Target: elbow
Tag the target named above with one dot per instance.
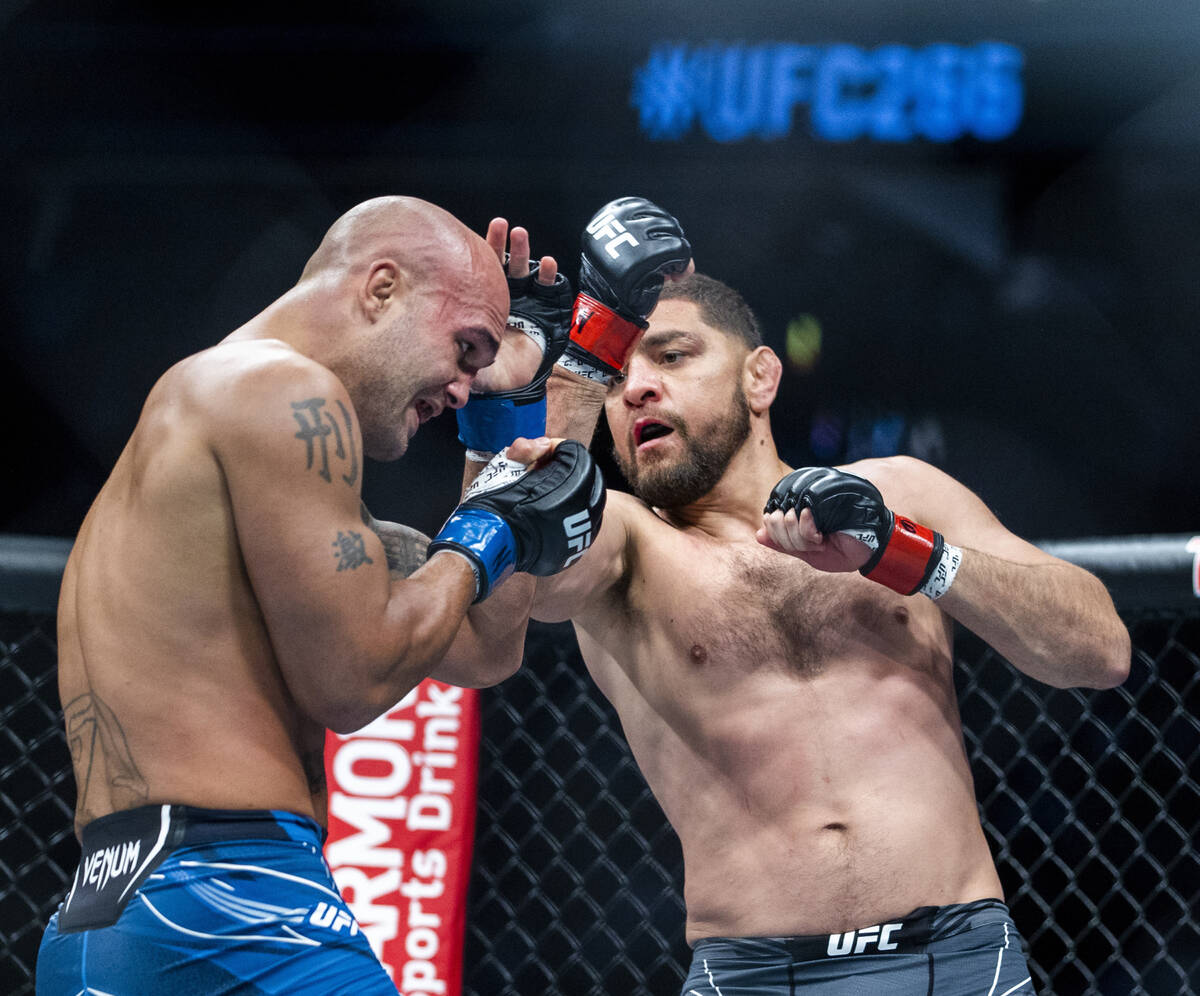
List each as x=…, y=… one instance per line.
x=347, y=689
x=501, y=671
x=349, y=716
x=346, y=707
x=344, y=725
x=1118, y=660
x=1098, y=660
x=479, y=672
x=1109, y=659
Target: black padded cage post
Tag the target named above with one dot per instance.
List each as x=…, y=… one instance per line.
x=1090, y=802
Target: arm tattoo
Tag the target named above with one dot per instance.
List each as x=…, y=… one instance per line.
x=350, y=551
x=317, y=424
x=406, y=548
x=100, y=754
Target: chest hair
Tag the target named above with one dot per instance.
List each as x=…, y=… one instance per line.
x=765, y=610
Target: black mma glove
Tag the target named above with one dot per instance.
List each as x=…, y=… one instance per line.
x=628, y=247
x=908, y=557
x=489, y=422
x=536, y=520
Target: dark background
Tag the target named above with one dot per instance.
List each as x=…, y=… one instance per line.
x=1022, y=312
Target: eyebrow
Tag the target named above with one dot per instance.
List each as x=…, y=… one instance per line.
x=654, y=340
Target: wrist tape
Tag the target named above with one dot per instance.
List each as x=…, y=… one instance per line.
x=488, y=423
x=914, y=558
x=587, y=368
x=487, y=542
x=603, y=334
x=944, y=571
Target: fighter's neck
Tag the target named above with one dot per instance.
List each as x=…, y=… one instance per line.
x=298, y=318
x=732, y=510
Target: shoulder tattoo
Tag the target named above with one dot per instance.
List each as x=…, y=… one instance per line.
x=328, y=435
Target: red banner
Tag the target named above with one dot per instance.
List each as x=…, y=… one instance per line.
x=401, y=829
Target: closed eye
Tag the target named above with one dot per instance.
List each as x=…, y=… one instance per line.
x=476, y=349
x=466, y=355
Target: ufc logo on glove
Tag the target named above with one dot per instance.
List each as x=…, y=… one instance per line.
x=578, y=528
x=606, y=226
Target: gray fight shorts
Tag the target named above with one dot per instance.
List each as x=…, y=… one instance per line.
x=972, y=949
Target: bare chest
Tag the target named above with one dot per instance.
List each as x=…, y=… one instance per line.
x=740, y=610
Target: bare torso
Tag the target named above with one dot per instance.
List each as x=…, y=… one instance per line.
x=799, y=729
x=170, y=689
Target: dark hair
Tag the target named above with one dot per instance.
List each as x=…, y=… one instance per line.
x=720, y=306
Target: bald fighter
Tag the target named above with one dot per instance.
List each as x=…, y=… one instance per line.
x=228, y=598
x=784, y=676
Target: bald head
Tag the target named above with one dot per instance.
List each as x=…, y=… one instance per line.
x=422, y=237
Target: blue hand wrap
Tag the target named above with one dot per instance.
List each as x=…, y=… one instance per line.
x=485, y=539
x=490, y=422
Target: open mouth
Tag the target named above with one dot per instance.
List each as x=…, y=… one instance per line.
x=425, y=411
x=648, y=429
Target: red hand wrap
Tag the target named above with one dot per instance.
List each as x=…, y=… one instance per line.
x=907, y=556
x=602, y=332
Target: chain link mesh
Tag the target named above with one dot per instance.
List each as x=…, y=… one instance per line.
x=38, y=851
x=1090, y=802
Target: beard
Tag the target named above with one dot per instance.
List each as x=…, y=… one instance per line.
x=695, y=472
x=380, y=409
x=383, y=390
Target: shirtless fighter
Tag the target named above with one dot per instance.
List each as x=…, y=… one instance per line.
x=784, y=677
x=228, y=598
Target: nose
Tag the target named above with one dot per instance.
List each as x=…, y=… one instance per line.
x=459, y=391
x=641, y=382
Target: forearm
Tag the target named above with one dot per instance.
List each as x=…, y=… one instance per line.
x=399, y=640
x=430, y=607
x=1051, y=620
x=536, y=511
x=573, y=405
x=490, y=643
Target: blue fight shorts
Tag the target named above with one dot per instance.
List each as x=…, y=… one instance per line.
x=972, y=948
x=186, y=901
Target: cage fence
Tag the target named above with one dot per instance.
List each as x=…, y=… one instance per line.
x=1090, y=802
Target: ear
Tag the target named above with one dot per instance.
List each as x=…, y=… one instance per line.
x=761, y=372
x=385, y=282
